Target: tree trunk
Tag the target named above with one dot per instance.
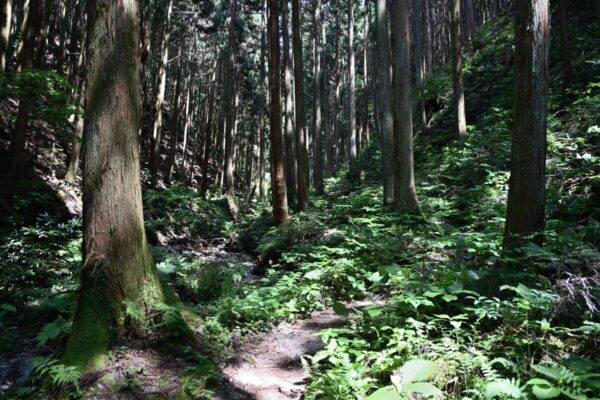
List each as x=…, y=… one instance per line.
x=262, y=184
x=118, y=270
x=31, y=29
x=160, y=96
x=365, y=122
x=457, y=74
x=208, y=133
x=385, y=102
x=230, y=102
x=526, y=193
x=353, y=174
x=73, y=165
x=420, y=65
x=5, y=21
x=174, y=131
x=428, y=38
x=565, y=46
x=290, y=159
x=278, y=190
x=404, y=178
x=301, y=176
x=317, y=106
x=325, y=105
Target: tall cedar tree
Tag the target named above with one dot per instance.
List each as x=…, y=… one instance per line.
x=301, y=156
x=385, y=102
x=118, y=268
x=404, y=177
x=317, y=105
x=290, y=158
x=353, y=174
x=526, y=193
x=460, y=118
x=5, y=21
x=278, y=189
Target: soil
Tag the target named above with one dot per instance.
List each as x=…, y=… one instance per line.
x=270, y=367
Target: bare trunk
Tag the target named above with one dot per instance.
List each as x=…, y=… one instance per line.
x=385, y=102
x=261, y=122
x=73, y=165
x=404, y=179
x=160, y=96
x=174, y=130
x=428, y=37
x=5, y=21
x=290, y=158
x=420, y=65
x=526, y=193
x=301, y=177
x=278, y=190
x=353, y=174
x=366, y=91
x=457, y=74
x=317, y=92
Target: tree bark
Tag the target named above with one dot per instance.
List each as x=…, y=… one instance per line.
x=262, y=184
x=73, y=165
x=160, y=96
x=420, y=65
x=526, y=193
x=366, y=91
x=404, y=179
x=278, y=190
x=174, y=131
x=118, y=270
x=301, y=176
x=428, y=37
x=5, y=21
x=385, y=102
x=317, y=106
x=460, y=118
x=231, y=112
x=290, y=158
x=353, y=174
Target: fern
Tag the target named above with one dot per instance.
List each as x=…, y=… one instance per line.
x=59, y=374
x=510, y=388
x=133, y=311
x=53, y=330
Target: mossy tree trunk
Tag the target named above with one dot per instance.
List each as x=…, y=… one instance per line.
x=118, y=267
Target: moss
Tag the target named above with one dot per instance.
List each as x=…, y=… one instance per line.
x=88, y=345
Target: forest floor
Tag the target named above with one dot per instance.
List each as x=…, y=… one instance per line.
x=273, y=365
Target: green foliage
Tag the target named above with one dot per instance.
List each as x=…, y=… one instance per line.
x=50, y=96
x=180, y=212
x=59, y=375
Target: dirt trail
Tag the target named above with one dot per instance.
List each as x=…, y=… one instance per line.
x=270, y=367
